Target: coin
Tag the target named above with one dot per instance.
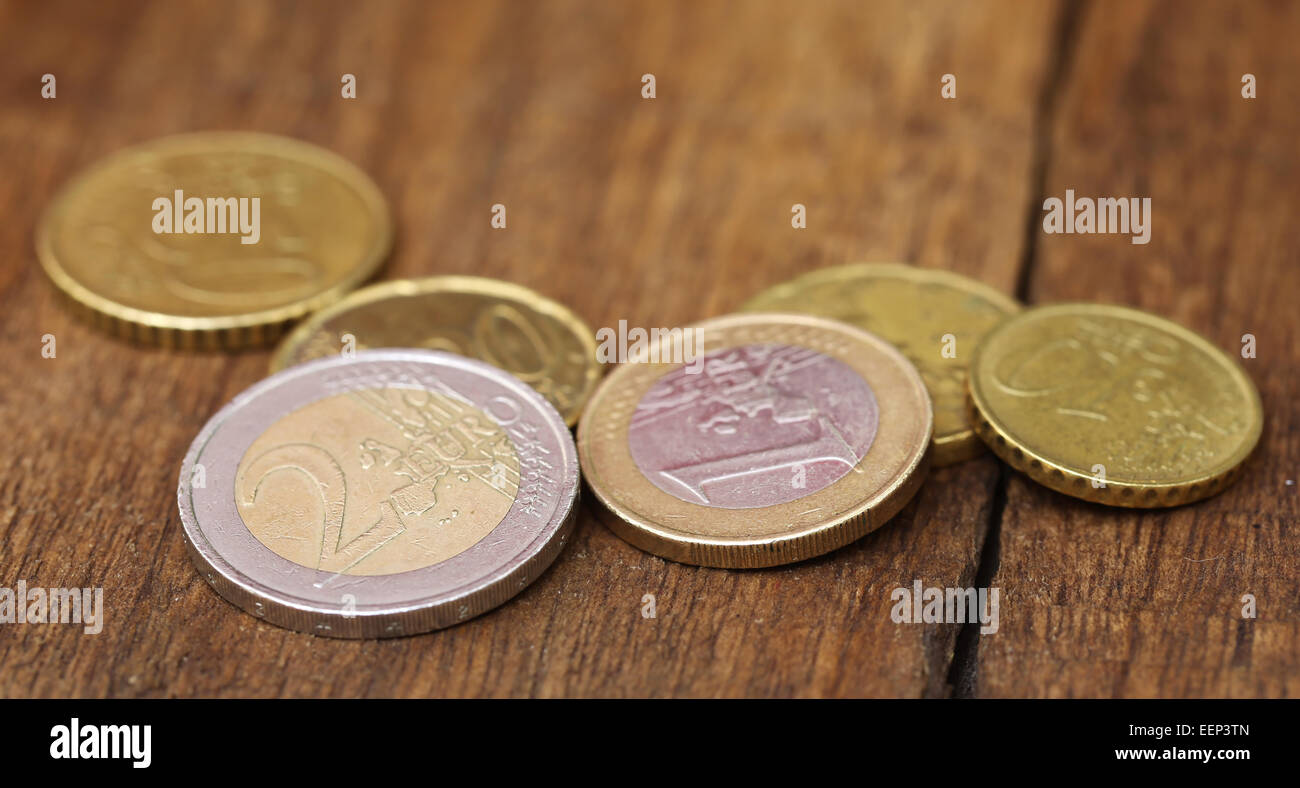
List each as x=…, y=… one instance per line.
x=1113, y=405
x=936, y=318
x=785, y=437
x=151, y=243
x=509, y=326
x=388, y=494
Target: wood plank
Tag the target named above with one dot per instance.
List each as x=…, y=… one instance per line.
x=1106, y=602
x=658, y=212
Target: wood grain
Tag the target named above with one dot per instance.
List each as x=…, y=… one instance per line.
x=662, y=212
x=1106, y=602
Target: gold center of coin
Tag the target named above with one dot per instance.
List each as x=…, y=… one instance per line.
x=378, y=481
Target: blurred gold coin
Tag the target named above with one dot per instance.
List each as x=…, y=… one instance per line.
x=756, y=439
x=936, y=318
x=539, y=341
x=1113, y=405
x=212, y=240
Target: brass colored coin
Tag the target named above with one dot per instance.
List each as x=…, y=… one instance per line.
x=784, y=437
x=936, y=318
x=321, y=229
x=539, y=341
x=1113, y=405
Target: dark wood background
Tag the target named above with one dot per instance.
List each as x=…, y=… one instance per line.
x=663, y=212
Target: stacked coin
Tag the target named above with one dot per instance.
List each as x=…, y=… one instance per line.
x=408, y=464
x=747, y=461
x=465, y=472
x=1103, y=403
x=370, y=494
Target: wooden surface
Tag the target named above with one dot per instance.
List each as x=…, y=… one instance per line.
x=662, y=212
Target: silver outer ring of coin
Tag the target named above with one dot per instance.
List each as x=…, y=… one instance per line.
x=503, y=563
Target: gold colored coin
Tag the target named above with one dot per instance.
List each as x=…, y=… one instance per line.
x=756, y=440
x=1113, y=405
x=345, y=437
x=539, y=341
x=936, y=318
x=212, y=240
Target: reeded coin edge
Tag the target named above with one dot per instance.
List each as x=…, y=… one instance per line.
x=776, y=549
x=281, y=358
x=226, y=332
x=1117, y=492
x=769, y=551
x=427, y=615
x=414, y=620
x=954, y=447
x=957, y=447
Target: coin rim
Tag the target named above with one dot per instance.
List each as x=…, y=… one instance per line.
x=950, y=448
x=451, y=283
x=1001, y=439
x=232, y=328
x=808, y=541
x=472, y=598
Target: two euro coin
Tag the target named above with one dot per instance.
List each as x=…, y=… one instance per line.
x=388, y=494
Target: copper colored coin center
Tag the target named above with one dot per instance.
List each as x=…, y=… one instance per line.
x=757, y=425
